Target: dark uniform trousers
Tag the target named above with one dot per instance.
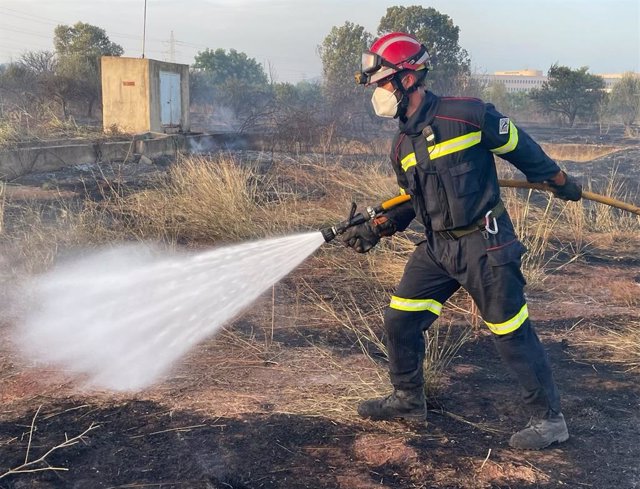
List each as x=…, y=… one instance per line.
x=488, y=267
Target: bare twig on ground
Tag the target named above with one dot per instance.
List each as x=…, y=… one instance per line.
x=33, y=422
x=480, y=426
x=179, y=429
x=486, y=458
x=33, y=466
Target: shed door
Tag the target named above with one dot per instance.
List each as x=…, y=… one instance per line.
x=170, y=108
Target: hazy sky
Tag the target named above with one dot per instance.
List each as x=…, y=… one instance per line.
x=498, y=34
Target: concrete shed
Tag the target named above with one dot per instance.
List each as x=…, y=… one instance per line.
x=144, y=95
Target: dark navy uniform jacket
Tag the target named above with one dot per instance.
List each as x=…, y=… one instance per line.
x=443, y=156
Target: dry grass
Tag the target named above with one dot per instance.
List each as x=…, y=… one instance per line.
x=620, y=346
x=9, y=134
x=200, y=200
x=624, y=292
x=363, y=316
x=557, y=233
x=584, y=223
x=443, y=345
x=19, y=125
x=534, y=226
x=603, y=219
x=359, y=315
x=578, y=152
x=43, y=231
x=222, y=199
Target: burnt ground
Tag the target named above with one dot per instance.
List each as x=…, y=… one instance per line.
x=234, y=428
x=255, y=408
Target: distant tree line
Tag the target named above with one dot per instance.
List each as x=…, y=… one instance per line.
x=227, y=84
x=571, y=95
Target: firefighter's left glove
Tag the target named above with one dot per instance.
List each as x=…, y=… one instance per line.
x=365, y=236
x=571, y=190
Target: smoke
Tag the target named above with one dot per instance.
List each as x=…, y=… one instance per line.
x=210, y=143
x=121, y=317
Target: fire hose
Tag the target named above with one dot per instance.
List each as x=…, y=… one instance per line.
x=602, y=199
x=371, y=212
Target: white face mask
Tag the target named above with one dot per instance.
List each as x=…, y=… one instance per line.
x=385, y=103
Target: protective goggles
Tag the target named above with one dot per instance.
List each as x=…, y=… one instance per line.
x=373, y=64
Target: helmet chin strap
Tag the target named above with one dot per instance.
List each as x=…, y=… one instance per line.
x=404, y=100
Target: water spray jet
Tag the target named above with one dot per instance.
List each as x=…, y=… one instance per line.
x=120, y=318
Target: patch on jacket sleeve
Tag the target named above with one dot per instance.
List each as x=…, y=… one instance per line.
x=504, y=125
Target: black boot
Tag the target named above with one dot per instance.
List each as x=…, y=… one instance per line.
x=410, y=405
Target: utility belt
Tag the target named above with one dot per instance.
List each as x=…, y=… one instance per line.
x=487, y=224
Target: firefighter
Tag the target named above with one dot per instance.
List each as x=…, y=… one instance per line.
x=443, y=157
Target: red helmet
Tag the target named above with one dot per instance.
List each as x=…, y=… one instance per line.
x=391, y=54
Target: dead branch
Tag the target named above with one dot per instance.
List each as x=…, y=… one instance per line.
x=33, y=466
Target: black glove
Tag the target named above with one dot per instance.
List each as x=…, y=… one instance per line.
x=571, y=190
x=365, y=236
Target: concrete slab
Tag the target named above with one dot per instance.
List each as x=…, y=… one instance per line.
x=42, y=158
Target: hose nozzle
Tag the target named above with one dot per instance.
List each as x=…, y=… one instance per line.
x=328, y=234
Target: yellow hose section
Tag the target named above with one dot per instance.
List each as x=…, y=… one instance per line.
x=400, y=199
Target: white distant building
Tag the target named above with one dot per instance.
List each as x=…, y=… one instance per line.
x=525, y=80
x=516, y=80
x=610, y=79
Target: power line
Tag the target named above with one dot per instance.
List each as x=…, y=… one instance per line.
x=114, y=35
x=22, y=31
x=31, y=16
x=27, y=16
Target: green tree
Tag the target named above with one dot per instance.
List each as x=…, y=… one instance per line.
x=232, y=82
x=341, y=54
x=78, y=49
x=570, y=93
x=625, y=100
x=516, y=105
x=347, y=104
x=297, y=115
x=234, y=66
x=451, y=64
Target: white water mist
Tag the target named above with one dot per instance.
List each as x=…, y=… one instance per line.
x=122, y=317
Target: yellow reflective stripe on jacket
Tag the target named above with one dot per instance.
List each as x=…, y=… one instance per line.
x=454, y=145
x=416, y=305
x=511, y=144
x=408, y=161
x=512, y=324
x=403, y=191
